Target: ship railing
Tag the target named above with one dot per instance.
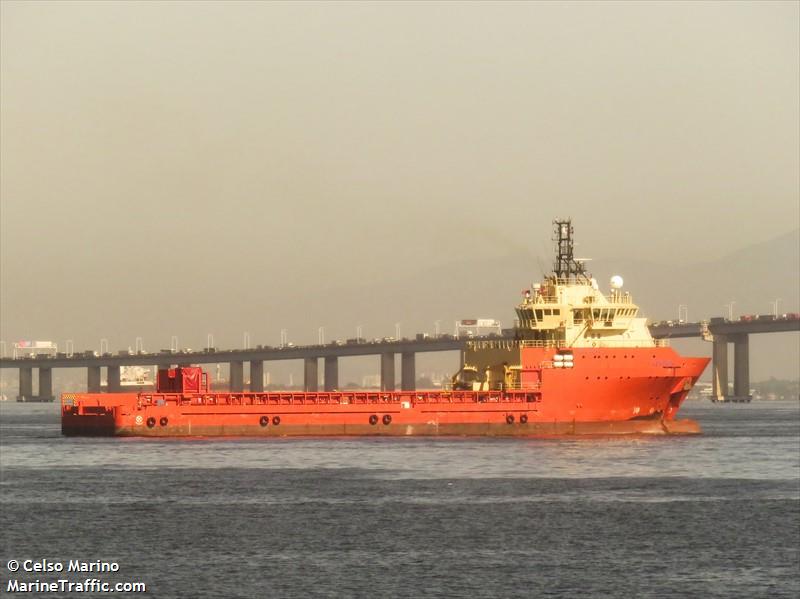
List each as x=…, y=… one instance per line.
x=514, y=386
x=518, y=386
x=543, y=343
x=595, y=343
x=495, y=344
x=620, y=298
x=544, y=299
x=633, y=343
x=377, y=399
x=573, y=281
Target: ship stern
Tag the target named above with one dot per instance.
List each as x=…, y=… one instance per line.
x=93, y=415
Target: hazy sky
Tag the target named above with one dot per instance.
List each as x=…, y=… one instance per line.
x=166, y=164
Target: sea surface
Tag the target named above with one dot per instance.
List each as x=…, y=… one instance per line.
x=716, y=515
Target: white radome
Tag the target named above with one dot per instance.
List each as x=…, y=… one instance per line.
x=616, y=282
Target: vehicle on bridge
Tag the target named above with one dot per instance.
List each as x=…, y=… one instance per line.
x=580, y=362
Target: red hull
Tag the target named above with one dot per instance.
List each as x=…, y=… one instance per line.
x=608, y=391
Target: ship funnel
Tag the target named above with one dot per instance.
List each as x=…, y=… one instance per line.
x=616, y=282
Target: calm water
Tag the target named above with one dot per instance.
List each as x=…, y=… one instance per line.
x=710, y=516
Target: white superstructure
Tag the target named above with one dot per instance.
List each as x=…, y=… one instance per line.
x=569, y=310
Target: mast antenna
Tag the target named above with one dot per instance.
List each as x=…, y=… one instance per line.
x=565, y=266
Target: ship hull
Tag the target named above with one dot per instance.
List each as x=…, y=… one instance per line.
x=605, y=393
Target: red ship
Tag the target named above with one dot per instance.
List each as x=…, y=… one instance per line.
x=580, y=362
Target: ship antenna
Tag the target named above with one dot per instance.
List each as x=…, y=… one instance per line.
x=565, y=266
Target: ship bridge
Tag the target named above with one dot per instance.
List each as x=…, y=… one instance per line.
x=569, y=308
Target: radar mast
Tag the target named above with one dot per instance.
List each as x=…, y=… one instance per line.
x=565, y=266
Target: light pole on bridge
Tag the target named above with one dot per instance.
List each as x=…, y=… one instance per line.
x=775, y=307
x=730, y=309
x=683, y=313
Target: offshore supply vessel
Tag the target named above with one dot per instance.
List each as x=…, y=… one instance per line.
x=579, y=362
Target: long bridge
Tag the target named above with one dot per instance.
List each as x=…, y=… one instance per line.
x=719, y=331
